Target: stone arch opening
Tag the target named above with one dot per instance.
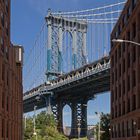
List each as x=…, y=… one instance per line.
x=67, y=49
x=67, y=118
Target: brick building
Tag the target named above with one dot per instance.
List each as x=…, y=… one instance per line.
x=125, y=75
x=10, y=80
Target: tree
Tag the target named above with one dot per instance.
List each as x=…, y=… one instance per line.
x=28, y=131
x=45, y=128
x=105, y=126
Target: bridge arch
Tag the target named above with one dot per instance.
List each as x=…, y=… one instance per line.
x=67, y=51
x=67, y=118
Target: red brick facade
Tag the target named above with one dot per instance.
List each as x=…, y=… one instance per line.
x=125, y=75
x=10, y=80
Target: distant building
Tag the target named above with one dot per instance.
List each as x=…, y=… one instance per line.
x=125, y=75
x=10, y=80
x=92, y=132
x=67, y=130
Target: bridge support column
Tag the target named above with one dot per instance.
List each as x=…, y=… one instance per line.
x=49, y=47
x=74, y=48
x=83, y=132
x=60, y=116
x=49, y=108
x=84, y=48
x=74, y=126
x=60, y=49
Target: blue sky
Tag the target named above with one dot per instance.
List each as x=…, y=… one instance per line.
x=27, y=18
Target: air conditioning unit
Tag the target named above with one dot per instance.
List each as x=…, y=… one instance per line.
x=19, y=54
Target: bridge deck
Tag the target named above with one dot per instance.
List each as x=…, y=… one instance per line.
x=83, y=82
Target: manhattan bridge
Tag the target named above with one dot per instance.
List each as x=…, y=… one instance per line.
x=69, y=63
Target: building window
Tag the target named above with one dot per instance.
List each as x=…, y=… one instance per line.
x=123, y=87
x=7, y=52
x=119, y=70
x=112, y=96
x=134, y=78
x=112, y=78
x=3, y=72
x=115, y=130
x=7, y=103
x=112, y=113
x=118, y=31
x=123, y=65
x=7, y=78
x=6, y=25
x=119, y=109
x=128, y=12
x=116, y=95
x=123, y=46
x=134, y=126
x=133, y=102
x=112, y=131
x=128, y=129
x=128, y=83
x=123, y=132
x=6, y=3
x=134, y=53
x=3, y=127
x=125, y=19
x=134, y=3
x=2, y=44
x=7, y=130
x=116, y=111
x=116, y=75
x=119, y=90
x=128, y=105
x=134, y=30
x=116, y=56
x=123, y=107
x=119, y=52
x=128, y=35
x=119, y=131
x=128, y=60
x=112, y=61
x=2, y=19
x=3, y=99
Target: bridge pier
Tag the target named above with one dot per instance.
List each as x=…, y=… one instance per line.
x=83, y=132
x=79, y=119
x=74, y=126
x=60, y=116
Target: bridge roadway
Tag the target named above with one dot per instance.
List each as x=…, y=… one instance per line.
x=75, y=89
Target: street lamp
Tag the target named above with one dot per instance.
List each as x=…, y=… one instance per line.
x=125, y=41
x=25, y=117
x=35, y=134
x=99, y=131
x=79, y=129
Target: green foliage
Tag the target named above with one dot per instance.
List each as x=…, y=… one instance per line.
x=29, y=129
x=80, y=139
x=105, y=126
x=45, y=128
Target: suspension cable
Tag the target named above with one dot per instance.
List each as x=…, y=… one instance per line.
x=90, y=15
x=31, y=50
x=88, y=10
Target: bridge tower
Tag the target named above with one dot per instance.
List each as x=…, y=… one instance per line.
x=57, y=26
